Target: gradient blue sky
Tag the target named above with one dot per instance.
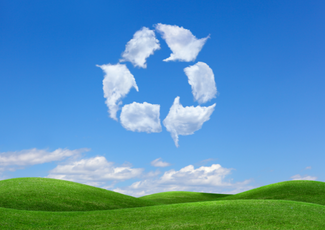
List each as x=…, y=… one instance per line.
x=268, y=59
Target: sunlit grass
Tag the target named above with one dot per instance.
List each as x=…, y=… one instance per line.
x=297, y=190
x=237, y=214
x=182, y=197
x=69, y=205
x=44, y=194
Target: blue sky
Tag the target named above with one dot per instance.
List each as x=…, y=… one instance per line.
x=267, y=126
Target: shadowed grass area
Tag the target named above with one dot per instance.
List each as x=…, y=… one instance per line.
x=234, y=214
x=182, y=197
x=297, y=190
x=44, y=194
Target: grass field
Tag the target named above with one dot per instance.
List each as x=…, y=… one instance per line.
x=59, y=204
x=303, y=190
x=182, y=197
x=43, y=194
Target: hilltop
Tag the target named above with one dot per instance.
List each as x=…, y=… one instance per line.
x=45, y=194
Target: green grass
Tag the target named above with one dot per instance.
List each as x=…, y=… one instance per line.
x=237, y=214
x=285, y=205
x=44, y=194
x=182, y=197
x=297, y=190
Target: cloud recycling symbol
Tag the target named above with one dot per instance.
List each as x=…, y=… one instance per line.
x=145, y=117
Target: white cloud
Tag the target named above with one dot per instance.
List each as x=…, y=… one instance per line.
x=201, y=79
x=159, y=163
x=151, y=174
x=141, y=117
x=183, y=44
x=140, y=47
x=203, y=179
x=308, y=167
x=298, y=177
x=116, y=84
x=93, y=171
x=36, y=156
x=203, y=162
x=186, y=120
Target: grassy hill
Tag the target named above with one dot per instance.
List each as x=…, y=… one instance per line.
x=182, y=197
x=275, y=206
x=296, y=190
x=44, y=194
x=234, y=214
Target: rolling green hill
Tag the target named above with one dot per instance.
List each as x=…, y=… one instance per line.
x=44, y=194
x=41, y=203
x=182, y=197
x=229, y=214
x=296, y=190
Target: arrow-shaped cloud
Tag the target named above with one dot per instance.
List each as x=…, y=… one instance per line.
x=184, y=45
x=186, y=120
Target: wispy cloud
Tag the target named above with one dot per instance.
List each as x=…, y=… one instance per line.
x=117, y=83
x=308, y=167
x=298, y=177
x=183, y=44
x=159, y=163
x=36, y=156
x=204, y=179
x=203, y=162
x=201, y=78
x=151, y=174
x=141, y=117
x=186, y=120
x=140, y=47
x=94, y=171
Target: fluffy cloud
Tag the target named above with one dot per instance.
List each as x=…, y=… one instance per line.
x=36, y=156
x=183, y=44
x=116, y=84
x=201, y=79
x=204, y=179
x=141, y=117
x=298, y=177
x=159, y=163
x=140, y=47
x=93, y=171
x=186, y=120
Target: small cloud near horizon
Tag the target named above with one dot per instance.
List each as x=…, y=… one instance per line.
x=298, y=177
x=159, y=163
x=11, y=160
x=203, y=162
x=95, y=170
